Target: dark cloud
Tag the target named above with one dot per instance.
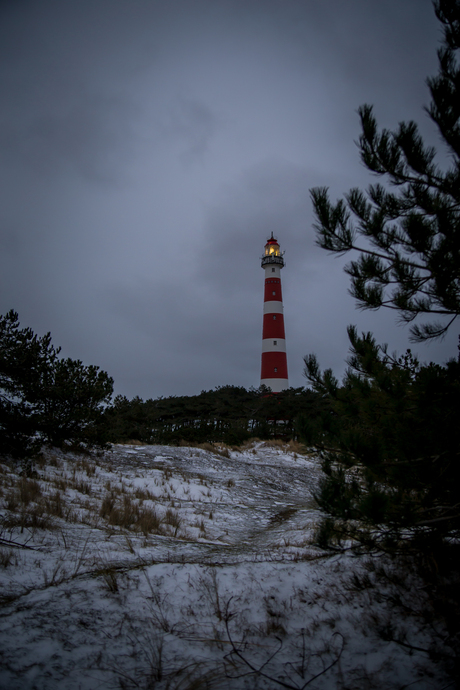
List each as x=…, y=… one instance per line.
x=150, y=148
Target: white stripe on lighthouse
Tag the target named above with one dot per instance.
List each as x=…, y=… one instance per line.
x=270, y=273
x=273, y=345
x=273, y=307
x=277, y=385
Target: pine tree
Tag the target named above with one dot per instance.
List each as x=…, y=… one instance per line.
x=46, y=399
x=407, y=230
x=389, y=431
x=72, y=404
x=25, y=362
x=391, y=460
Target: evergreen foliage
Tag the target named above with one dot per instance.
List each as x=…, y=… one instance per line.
x=228, y=414
x=390, y=432
x=46, y=399
x=392, y=449
x=407, y=231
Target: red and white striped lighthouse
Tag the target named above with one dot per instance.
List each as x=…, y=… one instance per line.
x=274, y=363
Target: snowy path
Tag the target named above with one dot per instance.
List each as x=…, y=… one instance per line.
x=265, y=502
x=134, y=563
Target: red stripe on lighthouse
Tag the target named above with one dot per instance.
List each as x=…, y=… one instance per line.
x=273, y=291
x=274, y=365
x=273, y=326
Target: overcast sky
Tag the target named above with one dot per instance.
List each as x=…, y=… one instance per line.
x=150, y=147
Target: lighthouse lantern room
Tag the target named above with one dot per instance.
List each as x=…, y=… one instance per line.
x=274, y=362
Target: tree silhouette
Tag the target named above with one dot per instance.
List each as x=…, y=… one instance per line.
x=407, y=230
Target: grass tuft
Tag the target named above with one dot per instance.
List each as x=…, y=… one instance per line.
x=29, y=490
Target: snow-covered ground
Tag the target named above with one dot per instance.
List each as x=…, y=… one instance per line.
x=185, y=568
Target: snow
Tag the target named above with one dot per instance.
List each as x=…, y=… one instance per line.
x=94, y=599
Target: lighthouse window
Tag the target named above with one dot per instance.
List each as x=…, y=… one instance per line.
x=274, y=318
x=275, y=369
x=273, y=270
x=273, y=293
x=275, y=342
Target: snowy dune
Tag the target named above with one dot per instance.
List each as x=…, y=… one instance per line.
x=180, y=568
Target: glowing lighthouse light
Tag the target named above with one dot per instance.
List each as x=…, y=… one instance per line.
x=274, y=362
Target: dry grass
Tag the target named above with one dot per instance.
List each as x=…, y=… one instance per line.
x=53, y=460
x=200, y=525
x=130, y=515
x=83, y=487
x=8, y=557
x=142, y=494
x=12, y=500
x=61, y=483
x=69, y=488
x=132, y=442
x=291, y=446
x=29, y=506
x=275, y=443
x=54, y=504
x=149, y=522
x=173, y=519
x=29, y=490
x=248, y=445
x=110, y=577
x=216, y=448
x=85, y=465
x=297, y=447
x=223, y=450
x=33, y=517
x=60, y=490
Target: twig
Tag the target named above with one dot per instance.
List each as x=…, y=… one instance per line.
x=258, y=671
x=16, y=543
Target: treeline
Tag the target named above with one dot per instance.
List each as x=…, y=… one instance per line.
x=228, y=414
x=46, y=399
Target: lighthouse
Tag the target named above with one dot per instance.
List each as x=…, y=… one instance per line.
x=274, y=363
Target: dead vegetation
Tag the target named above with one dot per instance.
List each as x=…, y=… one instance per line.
x=72, y=491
